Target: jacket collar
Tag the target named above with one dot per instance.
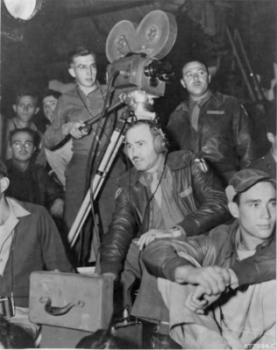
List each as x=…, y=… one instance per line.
x=16, y=208
x=217, y=96
x=174, y=161
x=232, y=246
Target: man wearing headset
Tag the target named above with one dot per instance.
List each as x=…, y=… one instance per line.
x=162, y=196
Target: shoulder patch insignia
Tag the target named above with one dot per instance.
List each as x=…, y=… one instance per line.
x=215, y=112
x=118, y=191
x=201, y=164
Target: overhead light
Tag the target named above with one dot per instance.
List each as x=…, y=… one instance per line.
x=23, y=9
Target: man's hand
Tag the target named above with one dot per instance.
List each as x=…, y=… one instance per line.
x=213, y=279
x=198, y=300
x=234, y=283
x=57, y=208
x=72, y=128
x=153, y=234
x=110, y=274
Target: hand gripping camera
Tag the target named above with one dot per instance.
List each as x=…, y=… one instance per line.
x=135, y=53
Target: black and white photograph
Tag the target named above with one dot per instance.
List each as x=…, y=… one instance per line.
x=138, y=156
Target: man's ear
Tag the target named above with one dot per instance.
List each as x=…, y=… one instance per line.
x=183, y=83
x=37, y=110
x=5, y=182
x=270, y=137
x=14, y=108
x=209, y=78
x=72, y=72
x=234, y=209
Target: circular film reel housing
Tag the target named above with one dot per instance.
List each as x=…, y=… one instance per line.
x=154, y=36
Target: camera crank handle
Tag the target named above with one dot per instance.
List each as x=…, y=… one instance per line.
x=86, y=130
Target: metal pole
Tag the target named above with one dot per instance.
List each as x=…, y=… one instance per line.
x=252, y=74
x=252, y=94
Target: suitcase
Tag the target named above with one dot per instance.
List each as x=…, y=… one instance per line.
x=80, y=302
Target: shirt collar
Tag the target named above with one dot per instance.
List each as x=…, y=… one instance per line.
x=200, y=102
x=148, y=176
x=80, y=91
x=16, y=209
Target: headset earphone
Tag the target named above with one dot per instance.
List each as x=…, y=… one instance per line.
x=159, y=139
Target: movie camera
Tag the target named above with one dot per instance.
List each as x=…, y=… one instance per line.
x=135, y=54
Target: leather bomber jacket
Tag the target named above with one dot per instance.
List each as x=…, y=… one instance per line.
x=223, y=134
x=218, y=247
x=198, y=193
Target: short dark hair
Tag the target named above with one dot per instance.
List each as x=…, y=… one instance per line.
x=80, y=51
x=236, y=198
x=50, y=92
x=196, y=60
x=3, y=170
x=26, y=91
x=29, y=131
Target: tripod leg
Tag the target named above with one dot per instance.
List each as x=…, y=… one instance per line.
x=116, y=141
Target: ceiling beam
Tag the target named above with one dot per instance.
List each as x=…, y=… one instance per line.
x=91, y=11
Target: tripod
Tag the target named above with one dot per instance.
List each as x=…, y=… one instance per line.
x=139, y=107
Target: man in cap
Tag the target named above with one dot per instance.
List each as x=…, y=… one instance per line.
x=234, y=264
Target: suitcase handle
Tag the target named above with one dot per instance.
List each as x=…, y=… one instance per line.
x=59, y=311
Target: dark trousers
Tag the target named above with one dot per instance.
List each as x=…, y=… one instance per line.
x=148, y=304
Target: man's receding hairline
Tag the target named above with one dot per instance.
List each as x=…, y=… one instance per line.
x=142, y=124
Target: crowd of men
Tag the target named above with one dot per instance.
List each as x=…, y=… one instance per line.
x=194, y=226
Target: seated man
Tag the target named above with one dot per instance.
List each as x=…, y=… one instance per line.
x=30, y=182
x=25, y=108
x=29, y=242
x=162, y=196
x=243, y=316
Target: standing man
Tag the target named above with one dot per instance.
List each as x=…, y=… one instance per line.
x=73, y=109
x=162, y=196
x=212, y=124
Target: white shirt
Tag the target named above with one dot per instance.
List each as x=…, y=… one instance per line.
x=7, y=231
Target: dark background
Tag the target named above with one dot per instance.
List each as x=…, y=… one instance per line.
x=35, y=51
